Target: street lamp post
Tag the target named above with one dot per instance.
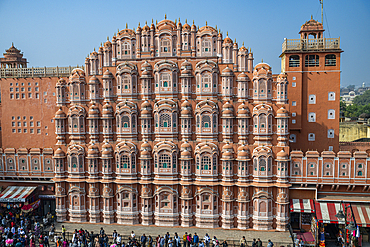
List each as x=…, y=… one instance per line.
x=343, y=216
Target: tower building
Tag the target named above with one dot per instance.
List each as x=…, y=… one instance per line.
x=312, y=64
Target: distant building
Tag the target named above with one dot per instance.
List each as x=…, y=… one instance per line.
x=13, y=58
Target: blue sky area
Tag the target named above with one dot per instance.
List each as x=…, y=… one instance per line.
x=62, y=33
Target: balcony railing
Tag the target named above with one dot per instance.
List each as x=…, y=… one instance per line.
x=310, y=44
x=37, y=72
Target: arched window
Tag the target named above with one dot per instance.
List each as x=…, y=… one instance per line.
x=330, y=60
x=294, y=61
x=126, y=47
x=206, y=46
x=206, y=121
x=165, y=120
x=214, y=121
x=359, y=173
x=74, y=122
x=125, y=162
x=164, y=161
x=206, y=80
x=165, y=79
x=262, y=164
x=126, y=82
x=262, y=88
x=74, y=162
x=125, y=122
x=165, y=45
x=206, y=163
x=262, y=123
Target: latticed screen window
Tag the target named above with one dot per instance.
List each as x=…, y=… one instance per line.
x=133, y=161
x=165, y=45
x=214, y=121
x=125, y=162
x=206, y=121
x=262, y=164
x=164, y=161
x=165, y=79
x=126, y=48
x=174, y=122
x=81, y=160
x=165, y=120
x=133, y=119
x=206, y=44
x=126, y=82
x=174, y=160
x=198, y=121
x=214, y=162
x=74, y=162
x=206, y=81
x=125, y=122
x=206, y=163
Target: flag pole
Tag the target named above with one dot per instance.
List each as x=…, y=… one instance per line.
x=322, y=12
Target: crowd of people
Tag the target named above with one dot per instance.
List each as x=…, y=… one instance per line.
x=84, y=238
x=21, y=229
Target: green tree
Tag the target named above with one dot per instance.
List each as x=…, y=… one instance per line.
x=363, y=99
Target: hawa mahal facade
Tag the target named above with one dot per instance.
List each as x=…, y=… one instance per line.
x=171, y=124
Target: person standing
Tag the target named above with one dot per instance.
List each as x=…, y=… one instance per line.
x=215, y=241
x=166, y=238
x=270, y=243
x=207, y=239
x=150, y=241
x=51, y=232
x=157, y=241
x=114, y=235
x=254, y=244
x=132, y=234
x=46, y=241
x=185, y=239
x=119, y=240
x=170, y=242
x=163, y=241
x=259, y=242
x=243, y=242
x=143, y=240
x=189, y=240
x=195, y=239
x=32, y=242
x=106, y=240
x=177, y=240
x=64, y=232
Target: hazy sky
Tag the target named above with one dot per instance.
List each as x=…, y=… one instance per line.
x=62, y=33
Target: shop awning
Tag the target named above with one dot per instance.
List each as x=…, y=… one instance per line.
x=302, y=206
x=16, y=193
x=361, y=211
x=326, y=211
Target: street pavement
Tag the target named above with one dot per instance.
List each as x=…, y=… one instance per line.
x=279, y=238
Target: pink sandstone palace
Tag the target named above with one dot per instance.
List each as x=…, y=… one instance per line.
x=173, y=125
